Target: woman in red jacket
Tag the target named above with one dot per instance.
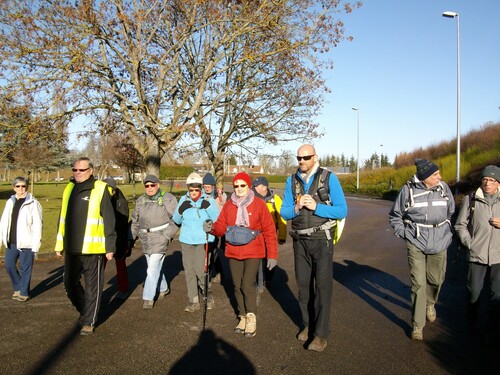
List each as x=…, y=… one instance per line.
x=250, y=237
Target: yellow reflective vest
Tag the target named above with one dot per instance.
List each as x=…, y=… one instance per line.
x=94, y=239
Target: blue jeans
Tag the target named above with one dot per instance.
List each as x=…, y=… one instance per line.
x=20, y=278
x=154, y=272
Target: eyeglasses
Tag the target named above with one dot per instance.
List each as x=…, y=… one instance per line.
x=489, y=180
x=80, y=169
x=147, y=186
x=194, y=190
x=307, y=157
x=240, y=186
x=20, y=186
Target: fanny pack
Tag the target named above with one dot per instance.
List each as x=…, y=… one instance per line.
x=236, y=235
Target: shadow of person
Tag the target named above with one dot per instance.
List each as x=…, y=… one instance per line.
x=279, y=289
x=367, y=283
x=212, y=355
x=55, y=278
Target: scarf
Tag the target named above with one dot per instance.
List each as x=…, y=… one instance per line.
x=242, y=204
x=306, y=176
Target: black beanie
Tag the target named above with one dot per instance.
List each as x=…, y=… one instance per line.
x=425, y=168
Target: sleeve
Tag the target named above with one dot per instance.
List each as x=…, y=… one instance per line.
x=282, y=230
x=37, y=226
x=338, y=209
x=462, y=223
x=134, y=221
x=177, y=218
x=396, y=213
x=108, y=216
x=269, y=232
x=171, y=207
x=212, y=210
x=220, y=225
x=287, y=211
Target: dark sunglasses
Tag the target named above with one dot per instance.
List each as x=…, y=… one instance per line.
x=240, y=186
x=20, y=186
x=80, y=170
x=194, y=190
x=147, y=186
x=307, y=157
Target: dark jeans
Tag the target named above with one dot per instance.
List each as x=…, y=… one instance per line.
x=86, y=300
x=244, y=273
x=20, y=278
x=314, y=275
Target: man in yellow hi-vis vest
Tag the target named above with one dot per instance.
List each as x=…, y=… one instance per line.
x=86, y=234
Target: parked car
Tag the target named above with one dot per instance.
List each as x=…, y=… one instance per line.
x=59, y=179
x=119, y=178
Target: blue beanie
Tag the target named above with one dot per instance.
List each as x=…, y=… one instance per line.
x=208, y=179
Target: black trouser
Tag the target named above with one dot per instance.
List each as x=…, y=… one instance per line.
x=86, y=300
x=314, y=276
x=475, y=282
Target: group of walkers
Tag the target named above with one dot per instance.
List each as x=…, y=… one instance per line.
x=246, y=227
x=422, y=215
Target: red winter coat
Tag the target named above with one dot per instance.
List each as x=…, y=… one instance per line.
x=260, y=219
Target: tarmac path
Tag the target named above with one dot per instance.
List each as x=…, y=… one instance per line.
x=370, y=319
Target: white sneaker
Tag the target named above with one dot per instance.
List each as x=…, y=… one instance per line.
x=430, y=312
x=417, y=333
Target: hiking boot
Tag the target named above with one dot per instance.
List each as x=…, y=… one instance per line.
x=210, y=301
x=87, y=330
x=251, y=325
x=162, y=295
x=21, y=298
x=318, y=344
x=430, y=313
x=16, y=294
x=303, y=335
x=240, y=328
x=417, y=334
x=148, y=304
x=192, y=307
x=216, y=278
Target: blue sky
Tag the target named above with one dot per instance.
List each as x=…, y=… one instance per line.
x=401, y=71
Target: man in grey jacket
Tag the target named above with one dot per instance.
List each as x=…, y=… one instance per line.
x=152, y=223
x=421, y=215
x=478, y=227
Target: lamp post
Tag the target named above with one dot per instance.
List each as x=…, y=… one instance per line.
x=357, y=157
x=381, y=155
x=456, y=15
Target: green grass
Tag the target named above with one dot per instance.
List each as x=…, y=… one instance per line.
x=49, y=195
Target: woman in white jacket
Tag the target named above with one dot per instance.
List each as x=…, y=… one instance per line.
x=21, y=234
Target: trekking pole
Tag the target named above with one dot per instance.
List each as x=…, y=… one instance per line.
x=205, y=289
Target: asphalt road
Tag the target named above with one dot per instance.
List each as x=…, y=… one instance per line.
x=370, y=320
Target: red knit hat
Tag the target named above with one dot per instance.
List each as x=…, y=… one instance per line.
x=243, y=176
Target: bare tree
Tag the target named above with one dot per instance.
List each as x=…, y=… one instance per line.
x=216, y=73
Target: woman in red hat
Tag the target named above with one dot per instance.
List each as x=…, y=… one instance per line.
x=250, y=237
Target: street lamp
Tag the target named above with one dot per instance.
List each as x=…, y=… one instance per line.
x=381, y=155
x=357, y=158
x=456, y=15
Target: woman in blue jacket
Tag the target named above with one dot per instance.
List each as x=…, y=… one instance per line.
x=192, y=211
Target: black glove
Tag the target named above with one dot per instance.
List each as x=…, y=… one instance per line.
x=205, y=204
x=184, y=206
x=207, y=226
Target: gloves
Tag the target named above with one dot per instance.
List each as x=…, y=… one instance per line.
x=207, y=226
x=281, y=242
x=205, y=204
x=184, y=206
x=271, y=263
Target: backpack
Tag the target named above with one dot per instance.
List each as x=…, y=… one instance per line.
x=323, y=182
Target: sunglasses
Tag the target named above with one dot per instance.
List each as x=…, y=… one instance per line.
x=194, y=190
x=20, y=186
x=240, y=186
x=307, y=157
x=147, y=186
x=80, y=169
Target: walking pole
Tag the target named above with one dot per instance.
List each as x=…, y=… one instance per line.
x=205, y=289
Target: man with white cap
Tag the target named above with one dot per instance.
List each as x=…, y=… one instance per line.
x=152, y=223
x=478, y=227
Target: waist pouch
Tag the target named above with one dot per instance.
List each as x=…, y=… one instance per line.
x=236, y=235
